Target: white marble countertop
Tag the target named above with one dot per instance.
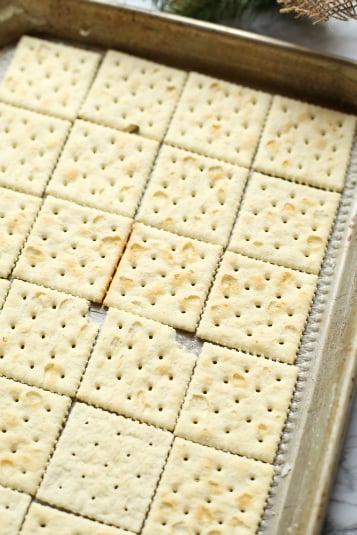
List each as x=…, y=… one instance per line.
x=340, y=38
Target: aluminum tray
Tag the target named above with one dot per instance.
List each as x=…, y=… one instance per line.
x=311, y=441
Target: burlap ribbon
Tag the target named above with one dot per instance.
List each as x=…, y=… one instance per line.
x=321, y=10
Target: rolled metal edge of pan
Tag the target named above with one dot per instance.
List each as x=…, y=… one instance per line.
x=231, y=54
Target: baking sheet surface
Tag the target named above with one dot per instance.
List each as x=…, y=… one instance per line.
x=326, y=360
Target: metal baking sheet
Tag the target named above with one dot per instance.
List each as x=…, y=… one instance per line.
x=327, y=359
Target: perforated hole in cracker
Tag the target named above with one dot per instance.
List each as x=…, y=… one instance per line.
x=306, y=143
x=164, y=276
x=193, y=195
x=48, y=77
x=118, y=487
x=258, y=307
x=73, y=248
x=218, y=119
x=202, y=487
x=138, y=369
x=103, y=168
x=285, y=223
x=237, y=402
x=133, y=94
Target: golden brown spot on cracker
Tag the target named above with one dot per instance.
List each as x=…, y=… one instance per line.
x=289, y=207
x=286, y=276
x=203, y=513
x=245, y=499
x=34, y=255
x=32, y=398
x=230, y=283
x=258, y=281
x=71, y=174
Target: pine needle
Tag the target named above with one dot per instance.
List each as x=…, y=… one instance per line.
x=224, y=10
x=213, y=10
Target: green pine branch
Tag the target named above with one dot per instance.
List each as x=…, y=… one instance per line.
x=214, y=10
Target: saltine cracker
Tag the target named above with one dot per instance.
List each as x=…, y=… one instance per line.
x=306, y=143
x=193, y=195
x=258, y=307
x=164, y=277
x=218, y=119
x=17, y=214
x=105, y=467
x=284, y=223
x=49, y=342
x=73, y=248
x=30, y=420
x=206, y=491
x=237, y=402
x=13, y=507
x=48, y=77
x=137, y=369
x=103, y=168
x=44, y=520
x=133, y=94
x=30, y=146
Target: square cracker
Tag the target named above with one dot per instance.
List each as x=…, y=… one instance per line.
x=284, y=223
x=138, y=369
x=133, y=94
x=237, y=402
x=13, y=507
x=30, y=420
x=306, y=143
x=103, y=168
x=4, y=288
x=258, y=307
x=30, y=145
x=105, y=467
x=219, y=119
x=203, y=487
x=193, y=195
x=48, y=77
x=164, y=276
x=49, y=521
x=46, y=337
x=73, y=248
x=17, y=214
